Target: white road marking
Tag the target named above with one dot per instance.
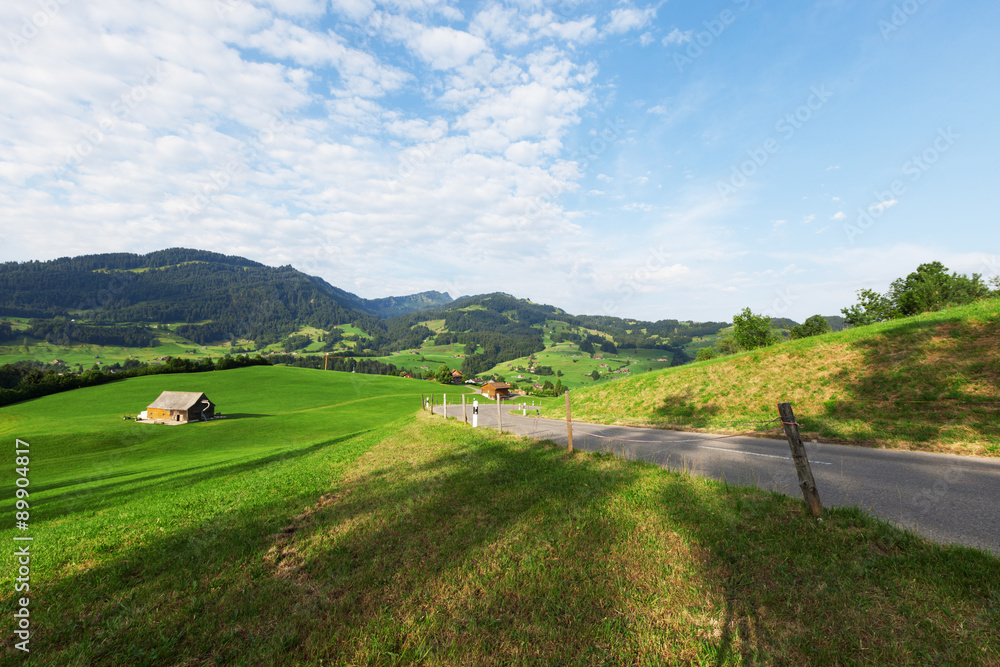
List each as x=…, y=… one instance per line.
x=767, y=456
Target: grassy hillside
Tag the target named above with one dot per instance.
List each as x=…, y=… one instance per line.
x=930, y=382
x=328, y=539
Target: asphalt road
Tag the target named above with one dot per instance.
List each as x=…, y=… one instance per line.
x=947, y=498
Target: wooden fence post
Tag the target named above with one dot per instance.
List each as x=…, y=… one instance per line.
x=465, y=417
x=569, y=424
x=499, y=416
x=806, y=481
x=444, y=402
x=423, y=403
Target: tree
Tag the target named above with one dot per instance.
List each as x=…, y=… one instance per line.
x=443, y=374
x=753, y=331
x=813, y=326
x=871, y=307
x=928, y=288
x=595, y=375
x=706, y=353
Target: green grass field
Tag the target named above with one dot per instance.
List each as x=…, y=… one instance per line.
x=929, y=382
x=332, y=538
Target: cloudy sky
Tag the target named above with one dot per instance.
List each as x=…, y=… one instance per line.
x=681, y=159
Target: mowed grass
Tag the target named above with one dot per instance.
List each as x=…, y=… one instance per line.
x=929, y=383
x=100, y=486
x=425, y=542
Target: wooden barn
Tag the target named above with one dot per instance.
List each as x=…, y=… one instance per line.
x=494, y=389
x=181, y=407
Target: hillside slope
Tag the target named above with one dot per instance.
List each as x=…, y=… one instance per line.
x=929, y=382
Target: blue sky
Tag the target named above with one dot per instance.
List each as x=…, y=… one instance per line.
x=672, y=160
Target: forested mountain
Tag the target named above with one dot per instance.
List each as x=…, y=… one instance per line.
x=118, y=298
x=219, y=296
x=394, y=306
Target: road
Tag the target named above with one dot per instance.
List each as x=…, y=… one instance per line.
x=947, y=498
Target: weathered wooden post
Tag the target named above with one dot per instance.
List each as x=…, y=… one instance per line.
x=806, y=481
x=423, y=402
x=499, y=415
x=444, y=402
x=465, y=417
x=569, y=424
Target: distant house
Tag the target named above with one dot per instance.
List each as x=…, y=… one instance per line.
x=456, y=375
x=494, y=389
x=181, y=406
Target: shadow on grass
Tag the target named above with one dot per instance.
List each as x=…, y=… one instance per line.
x=496, y=552
x=684, y=410
x=242, y=415
x=798, y=591
x=920, y=380
x=454, y=556
x=96, y=497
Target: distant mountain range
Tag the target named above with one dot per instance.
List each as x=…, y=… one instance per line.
x=215, y=297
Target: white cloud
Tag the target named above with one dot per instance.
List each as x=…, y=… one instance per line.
x=839, y=215
x=809, y=218
x=676, y=36
x=882, y=206
x=624, y=19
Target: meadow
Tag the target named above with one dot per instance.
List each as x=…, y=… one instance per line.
x=326, y=521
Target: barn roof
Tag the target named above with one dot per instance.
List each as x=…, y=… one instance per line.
x=498, y=385
x=178, y=400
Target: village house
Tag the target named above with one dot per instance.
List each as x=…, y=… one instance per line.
x=180, y=407
x=494, y=389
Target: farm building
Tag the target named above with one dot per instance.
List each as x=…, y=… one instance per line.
x=494, y=389
x=181, y=406
x=456, y=376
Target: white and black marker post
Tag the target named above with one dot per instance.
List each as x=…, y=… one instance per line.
x=475, y=413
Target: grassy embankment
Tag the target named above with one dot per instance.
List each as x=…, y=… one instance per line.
x=929, y=382
x=306, y=530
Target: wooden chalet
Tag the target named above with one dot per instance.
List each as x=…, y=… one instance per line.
x=181, y=407
x=494, y=389
x=456, y=375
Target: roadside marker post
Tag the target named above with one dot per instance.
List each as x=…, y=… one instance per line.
x=499, y=416
x=444, y=398
x=465, y=416
x=475, y=413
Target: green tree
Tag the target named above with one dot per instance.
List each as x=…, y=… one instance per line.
x=595, y=375
x=706, y=353
x=443, y=374
x=930, y=287
x=871, y=307
x=813, y=326
x=753, y=331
